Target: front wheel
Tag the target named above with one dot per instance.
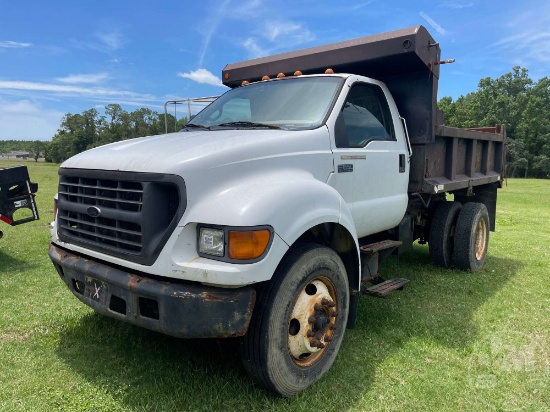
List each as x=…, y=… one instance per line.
x=298, y=322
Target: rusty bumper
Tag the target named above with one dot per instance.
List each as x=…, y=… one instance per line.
x=178, y=309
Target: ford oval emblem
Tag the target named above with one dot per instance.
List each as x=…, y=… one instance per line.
x=93, y=211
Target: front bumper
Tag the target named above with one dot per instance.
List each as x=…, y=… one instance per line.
x=176, y=309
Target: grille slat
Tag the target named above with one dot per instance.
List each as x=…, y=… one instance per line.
x=124, y=214
x=119, y=230
x=113, y=239
x=102, y=187
x=109, y=199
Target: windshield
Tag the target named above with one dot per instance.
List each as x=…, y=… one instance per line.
x=292, y=103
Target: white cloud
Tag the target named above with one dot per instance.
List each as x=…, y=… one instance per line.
x=526, y=46
x=39, y=123
x=202, y=76
x=276, y=36
x=7, y=44
x=83, y=78
x=433, y=24
x=458, y=4
x=212, y=23
x=112, y=40
x=287, y=32
x=84, y=93
x=274, y=29
x=361, y=5
x=528, y=39
x=253, y=49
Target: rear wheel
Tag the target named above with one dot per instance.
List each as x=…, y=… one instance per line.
x=442, y=233
x=298, y=322
x=472, y=237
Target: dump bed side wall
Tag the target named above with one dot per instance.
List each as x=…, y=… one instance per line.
x=458, y=159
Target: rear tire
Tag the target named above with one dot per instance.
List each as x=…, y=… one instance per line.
x=442, y=233
x=298, y=321
x=472, y=237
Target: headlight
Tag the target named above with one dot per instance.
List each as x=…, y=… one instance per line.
x=212, y=242
x=234, y=244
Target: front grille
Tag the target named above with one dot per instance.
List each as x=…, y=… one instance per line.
x=124, y=214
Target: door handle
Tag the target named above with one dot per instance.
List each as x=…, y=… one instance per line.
x=401, y=163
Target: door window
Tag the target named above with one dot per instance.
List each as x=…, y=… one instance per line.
x=367, y=115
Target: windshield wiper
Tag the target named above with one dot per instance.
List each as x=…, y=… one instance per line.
x=197, y=126
x=245, y=124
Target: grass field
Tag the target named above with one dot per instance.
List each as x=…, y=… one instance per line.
x=450, y=341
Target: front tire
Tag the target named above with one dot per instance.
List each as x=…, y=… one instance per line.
x=298, y=322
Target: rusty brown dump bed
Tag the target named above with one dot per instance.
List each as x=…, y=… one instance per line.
x=408, y=62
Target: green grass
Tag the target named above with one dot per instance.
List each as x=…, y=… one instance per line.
x=450, y=341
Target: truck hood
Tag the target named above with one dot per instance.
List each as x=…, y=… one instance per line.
x=170, y=153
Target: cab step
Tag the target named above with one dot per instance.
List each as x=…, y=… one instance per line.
x=372, y=256
x=378, y=246
x=383, y=289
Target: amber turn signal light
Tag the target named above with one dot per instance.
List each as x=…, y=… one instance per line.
x=247, y=245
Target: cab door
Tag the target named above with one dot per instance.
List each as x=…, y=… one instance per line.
x=371, y=158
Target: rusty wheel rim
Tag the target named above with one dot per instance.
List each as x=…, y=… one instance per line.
x=312, y=321
x=481, y=239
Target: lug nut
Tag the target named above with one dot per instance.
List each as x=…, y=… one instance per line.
x=332, y=326
x=319, y=335
x=321, y=345
x=328, y=338
x=311, y=319
x=310, y=334
x=325, y=302
x=331, y=304
x=317, y=307
x=333, y=313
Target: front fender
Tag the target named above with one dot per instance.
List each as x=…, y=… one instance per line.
x=290, y=201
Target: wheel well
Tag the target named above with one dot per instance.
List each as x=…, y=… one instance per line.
x=337, y=238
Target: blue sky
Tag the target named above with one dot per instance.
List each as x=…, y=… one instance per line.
x=60, y=57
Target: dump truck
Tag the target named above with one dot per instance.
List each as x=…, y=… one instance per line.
x=269, y=215
x=17, y=192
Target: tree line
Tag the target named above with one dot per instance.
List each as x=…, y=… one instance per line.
x=79, y=132
x=35, y=148
x=520, y=103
